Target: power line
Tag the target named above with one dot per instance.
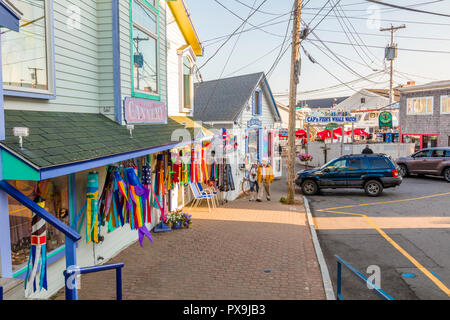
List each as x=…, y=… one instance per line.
x=231, y=35
x=409, y=9
x=379, y=47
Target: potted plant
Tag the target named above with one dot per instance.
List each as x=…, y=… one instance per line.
x=176, y=219
x=186, y=219
x=305, y=157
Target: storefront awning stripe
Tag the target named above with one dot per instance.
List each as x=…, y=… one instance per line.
x=41, y=212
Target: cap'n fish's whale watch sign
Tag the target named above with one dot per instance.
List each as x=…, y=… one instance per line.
x=141, y=111
x=327, y=117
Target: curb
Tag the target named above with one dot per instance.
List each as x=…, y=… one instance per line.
x=323, y=266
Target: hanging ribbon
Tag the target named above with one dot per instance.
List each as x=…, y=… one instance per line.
x=92, y=226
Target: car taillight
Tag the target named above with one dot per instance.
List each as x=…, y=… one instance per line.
x=394, y=173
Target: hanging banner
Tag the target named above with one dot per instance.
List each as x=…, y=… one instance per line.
x=140, y=111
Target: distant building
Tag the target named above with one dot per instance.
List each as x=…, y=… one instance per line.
x=323, y=104
x=425, y=114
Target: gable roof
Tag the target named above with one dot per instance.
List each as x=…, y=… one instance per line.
x=321, y=103
x=224, y=99
x=385, y=93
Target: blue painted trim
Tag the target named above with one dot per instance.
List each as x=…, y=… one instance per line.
x=41, y=212
x=272, y=98
x=31, y=95
x=71, y=260
x=5, y=238
x=8, y=18
x=254, y=113
x=116, y=62
x=2, y=107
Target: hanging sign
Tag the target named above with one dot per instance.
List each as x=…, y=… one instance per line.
x=140, y=111
x=254, y=122
x=327, y=117
x=385, y=120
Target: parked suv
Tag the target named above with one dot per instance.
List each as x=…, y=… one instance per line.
x=371, y=172
x=432, y=161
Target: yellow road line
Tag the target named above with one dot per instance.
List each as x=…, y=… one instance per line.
x=384, y=202
x=425, y=271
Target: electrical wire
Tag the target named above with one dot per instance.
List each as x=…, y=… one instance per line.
x=408, y=8
x=231, y=35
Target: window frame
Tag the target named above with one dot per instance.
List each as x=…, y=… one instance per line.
x=185, y=52
x=448, y=104
x=419, y=114
x=50, y=93
x=257, y=109
x=154, y=10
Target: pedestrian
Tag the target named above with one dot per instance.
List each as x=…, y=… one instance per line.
x=280, y=149
x=367, y=150
x=265, y=178
x=252, y=178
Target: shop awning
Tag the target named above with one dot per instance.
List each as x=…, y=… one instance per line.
x=61, y=143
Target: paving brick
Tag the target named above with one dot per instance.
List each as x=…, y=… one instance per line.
x=223, y=255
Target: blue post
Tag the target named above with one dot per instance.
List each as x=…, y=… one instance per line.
x=1, y=293
x=338, y=285
x=71, y=260
x=119, y=283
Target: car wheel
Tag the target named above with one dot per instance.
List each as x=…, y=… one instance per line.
x=447, y=174
x=403, y=170
x=309, y=187
x=373, y=188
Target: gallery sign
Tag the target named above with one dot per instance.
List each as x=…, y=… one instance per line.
x=254, y=122
x=385, y=120
x=141, y=111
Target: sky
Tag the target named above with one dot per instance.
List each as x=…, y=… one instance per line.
x=256, y=50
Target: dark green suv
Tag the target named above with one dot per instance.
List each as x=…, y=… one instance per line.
x=371, y=172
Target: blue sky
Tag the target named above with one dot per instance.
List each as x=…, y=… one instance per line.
x=212, y=20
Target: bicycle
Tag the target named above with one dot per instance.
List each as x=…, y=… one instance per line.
x=245, y=184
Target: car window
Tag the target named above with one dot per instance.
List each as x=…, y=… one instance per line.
x=379, y=163
x=356, y=164
x=422, y=154
x=447, y=154
x=339, y=165
x=438, y=153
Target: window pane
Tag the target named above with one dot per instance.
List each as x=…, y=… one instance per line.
x=444, y=104
x=24, y=53
x=410, y=106
x=356, y=164
x=145, y=62
x=144, y=16
x=429, y=105
x=438, y=153
x=55, y=193
x=379, y=163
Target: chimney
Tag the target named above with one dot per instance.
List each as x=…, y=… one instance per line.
x=411, y=83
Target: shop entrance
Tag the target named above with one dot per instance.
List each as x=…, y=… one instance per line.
x=253, y=144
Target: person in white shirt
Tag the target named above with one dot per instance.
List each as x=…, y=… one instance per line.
x=252, y=178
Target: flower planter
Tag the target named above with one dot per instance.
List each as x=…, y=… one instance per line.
x=177, y=225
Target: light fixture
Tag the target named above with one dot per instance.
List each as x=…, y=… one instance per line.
x=130, y=127
x=21, y=132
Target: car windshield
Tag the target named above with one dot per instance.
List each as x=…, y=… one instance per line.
x=327, y=164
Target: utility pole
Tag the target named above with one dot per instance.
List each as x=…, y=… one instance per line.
x=391, y=54
x=295, y=67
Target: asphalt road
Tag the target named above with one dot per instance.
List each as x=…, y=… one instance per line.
x=403, y=238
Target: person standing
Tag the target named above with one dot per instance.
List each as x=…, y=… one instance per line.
x=264, y=178
x=367, y=150
x=252, y=179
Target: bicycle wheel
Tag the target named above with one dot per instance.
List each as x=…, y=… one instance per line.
x=245, y=187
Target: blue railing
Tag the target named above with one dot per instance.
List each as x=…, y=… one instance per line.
x=1, y=293
x=359, y=275
x=71, y=295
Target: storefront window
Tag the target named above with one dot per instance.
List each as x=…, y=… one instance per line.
x=145, y=49
x=55, y=193
x=420, y=106
x=429, y=141
x=408, y=138
x=25, y=54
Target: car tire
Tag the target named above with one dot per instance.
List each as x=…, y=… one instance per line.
x=309, y=187
x=447, y=174
x=373, y=188
x=403, y=170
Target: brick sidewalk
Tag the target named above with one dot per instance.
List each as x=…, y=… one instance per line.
x=224, y=255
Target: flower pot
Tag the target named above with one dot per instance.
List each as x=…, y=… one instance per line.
x=177, y=225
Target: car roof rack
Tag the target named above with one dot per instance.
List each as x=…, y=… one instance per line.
x=365, y=155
